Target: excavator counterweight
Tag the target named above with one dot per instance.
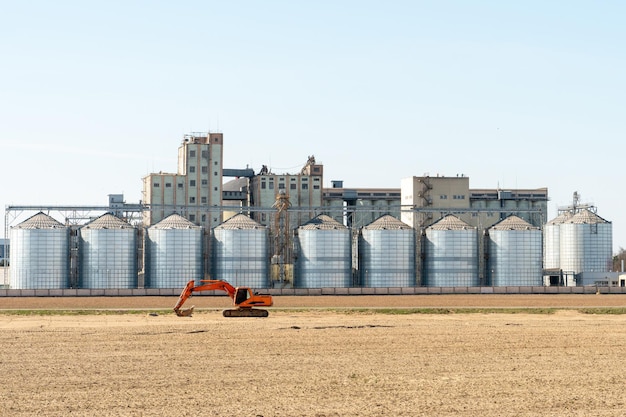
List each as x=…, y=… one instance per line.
x=243, y=298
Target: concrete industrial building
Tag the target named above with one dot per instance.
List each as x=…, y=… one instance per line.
x=303, y=191
x=426, y=199
x=357, y=207
x=195, y=191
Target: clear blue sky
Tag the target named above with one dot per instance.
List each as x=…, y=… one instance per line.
x=95, y=95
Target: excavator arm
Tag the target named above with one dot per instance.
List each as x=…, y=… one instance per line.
x=242, y=297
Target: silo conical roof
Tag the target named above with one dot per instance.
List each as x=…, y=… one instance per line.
x=240, y=221
x=387, y=222
x=513, y=223
x=323, y=222
x=450, y=222
x=108, y=221
x=40, y=221
x=561, y=218
x=175, y=221
x=586, y=217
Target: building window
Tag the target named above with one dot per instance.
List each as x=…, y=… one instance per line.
x=192, y=217
x=316, y=187
x=192, y=153
x=281, y=186
x=192, y=183
x=316, y=179
x=156, y=185
x=205, y=154
x=203, y=200
x=263, y=185
x=215, y=163
x=205, y=182
x=168, y=185
x=180, y=185
x=214, y=188
x=292, y=186
x=215, y=173
x=192, y=169
x=203, y=218
x=205, y=170
x=192, y=200
x=443, y=197
x=305, y=186
x=271, y=185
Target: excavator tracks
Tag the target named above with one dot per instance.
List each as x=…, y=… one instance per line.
x=245, y=312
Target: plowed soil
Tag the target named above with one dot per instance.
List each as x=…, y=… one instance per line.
x=309, y=361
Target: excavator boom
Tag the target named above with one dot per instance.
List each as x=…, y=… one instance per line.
x=243, y=299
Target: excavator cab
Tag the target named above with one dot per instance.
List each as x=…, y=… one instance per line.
x=241, y=295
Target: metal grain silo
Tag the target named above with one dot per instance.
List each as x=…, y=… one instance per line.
x=451, y=254
x=241, y=252
x=324, y=254
x=514, y=248
x=108, y=253
x=586, y=243
x=173, y=253
x=387, y=254
x=551, y=241
x=39, y=254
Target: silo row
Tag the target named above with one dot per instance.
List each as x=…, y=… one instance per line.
x=450, y=253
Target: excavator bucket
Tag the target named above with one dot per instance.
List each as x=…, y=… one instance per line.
x=186, y=312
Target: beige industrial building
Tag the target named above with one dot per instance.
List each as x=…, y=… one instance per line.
x=301, y=192
x=426, y=199
x=195, y=191
x=358, y=207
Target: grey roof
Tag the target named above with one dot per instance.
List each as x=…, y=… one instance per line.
x=387, y=222
x=561, y=218
x=450, y=222
x=322, y=222
x=513, y=223
x=586, y=217
x=108, y=221
x=235, y=185
x=40, y=221
x=240, y=221
x=175, y=221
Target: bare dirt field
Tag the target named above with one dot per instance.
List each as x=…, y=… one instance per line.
x=305, y=361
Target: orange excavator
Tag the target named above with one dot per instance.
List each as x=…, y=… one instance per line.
x=243, y=299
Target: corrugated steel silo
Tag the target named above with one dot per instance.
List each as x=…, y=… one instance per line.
x=515, y=256
x=324, y=254
x=241, y=252
x=39, y=254
x=387, y=254
x=586, y=243
x=173, y=253
x=451, y=254
x=108, y=254
x=551, y=241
